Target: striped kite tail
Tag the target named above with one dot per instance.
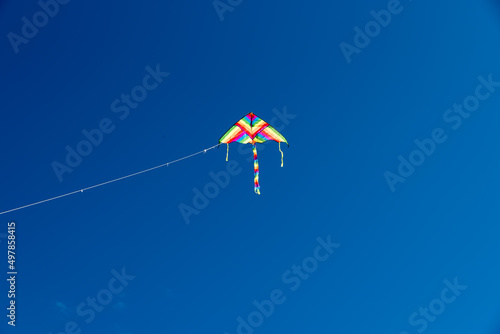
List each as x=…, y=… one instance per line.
x=256, y=170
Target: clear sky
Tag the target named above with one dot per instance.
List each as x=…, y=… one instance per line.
x=384, y=218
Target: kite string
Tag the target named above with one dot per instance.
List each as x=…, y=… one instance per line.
x=108, y=182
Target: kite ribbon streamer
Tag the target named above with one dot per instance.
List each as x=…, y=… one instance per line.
x=227, y=154
x=256, y=170
x=279, y=146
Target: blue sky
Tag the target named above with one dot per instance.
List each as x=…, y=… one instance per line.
x=330, y=242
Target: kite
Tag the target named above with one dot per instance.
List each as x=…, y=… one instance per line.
x=251, y=130
x=248, y=130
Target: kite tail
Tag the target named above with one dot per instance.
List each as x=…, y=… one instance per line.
x=279, y=146
x=256, y=170
x=227, y=154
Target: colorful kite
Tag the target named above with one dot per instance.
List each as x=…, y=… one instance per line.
x=251, y=130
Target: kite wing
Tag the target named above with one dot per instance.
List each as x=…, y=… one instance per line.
x=251, y=130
